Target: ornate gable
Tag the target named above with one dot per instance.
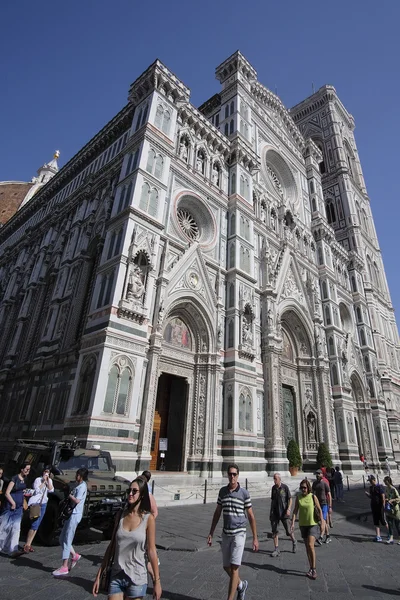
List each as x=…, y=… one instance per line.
x=189, y=277
x=290, y=284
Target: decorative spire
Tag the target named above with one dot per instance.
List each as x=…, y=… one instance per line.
x=44, y=174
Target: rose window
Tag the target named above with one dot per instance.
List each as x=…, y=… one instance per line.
x=188, y=224
x=275, y=179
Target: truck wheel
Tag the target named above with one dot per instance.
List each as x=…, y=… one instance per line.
x=48, y=526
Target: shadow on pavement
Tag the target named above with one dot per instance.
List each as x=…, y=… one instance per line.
x=171, y=595
x=96, y=560
x=360, y=538
x=24, y=561
x=275, y=569
x=382, y=590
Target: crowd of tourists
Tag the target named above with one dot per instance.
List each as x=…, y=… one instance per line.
x=131, y=555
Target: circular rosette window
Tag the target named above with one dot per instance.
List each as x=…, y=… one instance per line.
x=278, y=176
x=194, y=220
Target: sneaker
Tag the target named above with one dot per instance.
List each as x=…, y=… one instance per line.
x=328, y=539
x=275, y=553
x=242, y=592
x=75, y=559
x=294, y=546
x=319, y=541
x=378, y=538
x=61, y=571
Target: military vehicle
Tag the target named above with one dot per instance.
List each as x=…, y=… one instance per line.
x=106, y=492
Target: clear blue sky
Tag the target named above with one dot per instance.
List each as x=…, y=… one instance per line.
x=66, y=68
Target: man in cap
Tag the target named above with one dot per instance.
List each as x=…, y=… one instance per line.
x=321, y=489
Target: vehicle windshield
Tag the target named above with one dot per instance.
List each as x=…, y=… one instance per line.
x=91, y=463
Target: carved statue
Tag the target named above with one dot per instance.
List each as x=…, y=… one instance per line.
x=270, y=319
x=311, y=427
x=183, y=149
x=200, y=162
x=215, y=175
x=161, y=313
x=263, y=215
x=247, y=336
x=135, y=288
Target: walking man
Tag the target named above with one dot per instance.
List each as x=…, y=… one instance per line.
x=321, y=489
x=281, y=503
x=234, y=502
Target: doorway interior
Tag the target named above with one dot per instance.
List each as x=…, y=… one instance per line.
x=169, y=423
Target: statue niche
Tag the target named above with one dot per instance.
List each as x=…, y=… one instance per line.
x=132, y=303
x=135, y=288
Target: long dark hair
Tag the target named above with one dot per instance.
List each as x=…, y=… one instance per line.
x=144, y=499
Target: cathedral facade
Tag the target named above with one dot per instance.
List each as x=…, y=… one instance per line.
x=201, y=285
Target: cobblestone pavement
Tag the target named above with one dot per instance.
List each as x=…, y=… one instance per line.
x=352, y=566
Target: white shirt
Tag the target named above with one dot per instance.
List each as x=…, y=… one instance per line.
x=40, y=491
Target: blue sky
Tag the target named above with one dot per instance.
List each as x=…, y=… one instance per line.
x=66, y=69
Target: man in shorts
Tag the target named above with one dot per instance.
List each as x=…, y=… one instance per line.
x=234, y=502
x=281, y=503
x=377, y=495
x=321, y=489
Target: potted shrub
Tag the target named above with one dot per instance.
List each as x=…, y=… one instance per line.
x=294, y=457
x=324, y=458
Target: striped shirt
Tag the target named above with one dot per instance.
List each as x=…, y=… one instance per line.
x=234, y=504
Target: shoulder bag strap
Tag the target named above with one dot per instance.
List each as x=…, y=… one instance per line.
x=110, y=558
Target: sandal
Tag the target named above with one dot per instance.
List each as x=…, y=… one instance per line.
x=314, y=574
x=310, y=574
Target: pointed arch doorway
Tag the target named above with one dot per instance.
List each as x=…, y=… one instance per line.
x=181, y=399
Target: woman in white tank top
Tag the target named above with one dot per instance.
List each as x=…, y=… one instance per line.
x=134, y=536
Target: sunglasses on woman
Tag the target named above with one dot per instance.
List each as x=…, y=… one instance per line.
x=132, y=491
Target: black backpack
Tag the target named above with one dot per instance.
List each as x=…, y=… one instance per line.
x=65, y=509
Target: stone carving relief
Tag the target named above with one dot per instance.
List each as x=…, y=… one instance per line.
x=201, y=409
x=290, y=288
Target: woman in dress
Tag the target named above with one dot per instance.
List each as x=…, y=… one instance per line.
x=306, y=503
x=134, y=536
x=392, y=509
x=11, y=515
x=42, y=486
x=77, y=497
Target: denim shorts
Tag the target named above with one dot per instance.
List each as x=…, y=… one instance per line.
x=122, y=584
x=36, y=522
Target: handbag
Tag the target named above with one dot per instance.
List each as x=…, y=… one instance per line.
x=105, y=577
x=36, y=509
x=317, y=514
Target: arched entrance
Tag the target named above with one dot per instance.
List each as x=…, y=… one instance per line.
x=298, y=387
x=179, y=426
